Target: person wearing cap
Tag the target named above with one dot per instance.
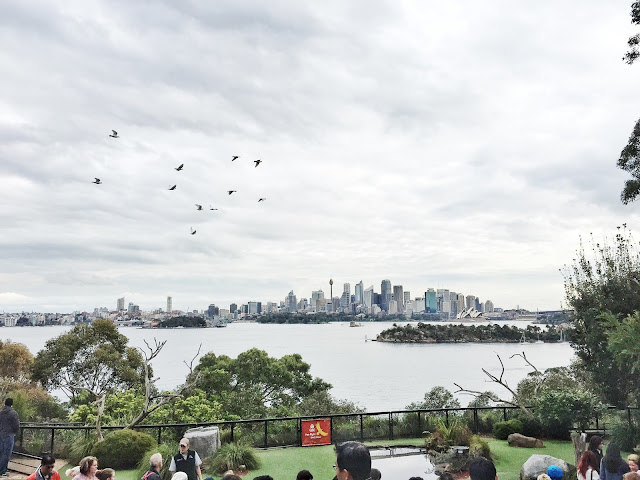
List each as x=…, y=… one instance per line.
x=186, y=461
x=554, y=472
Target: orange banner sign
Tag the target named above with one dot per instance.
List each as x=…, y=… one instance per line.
x=316, y=432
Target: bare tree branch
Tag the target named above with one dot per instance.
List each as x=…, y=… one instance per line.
x=190, y=364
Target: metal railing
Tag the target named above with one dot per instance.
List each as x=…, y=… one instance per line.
x=37, y=438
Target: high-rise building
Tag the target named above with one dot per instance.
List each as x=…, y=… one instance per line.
x=254, y=308
x=471, y=302
x=430, y=301
x=393, y=307
x=398, y=296
x=444, y=302
x=169, y=305
x=359, y=300
x=418, y=305
x=133, y=308
x=368, y=298
x=386, y=294
x=407, y=297
x=315, y=296
x=121, y=304
x=233, y=307
x=345, y=299
x=453, y=296
x=488, y=306
x=290, y=302
x=212, y=311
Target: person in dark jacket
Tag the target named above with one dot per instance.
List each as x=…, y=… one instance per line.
x=613, y=467
x=9, y=427
x=596, y=446
x=186, y=461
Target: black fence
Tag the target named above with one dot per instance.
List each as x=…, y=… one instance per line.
x=36, y=439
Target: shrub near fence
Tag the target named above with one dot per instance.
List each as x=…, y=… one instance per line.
x=36, y=439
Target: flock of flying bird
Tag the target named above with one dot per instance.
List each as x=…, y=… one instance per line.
x=179, y=168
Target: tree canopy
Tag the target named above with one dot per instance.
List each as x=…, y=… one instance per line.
x=437, y=397
x=92, y=357
x=603, y=287
x=253, y=383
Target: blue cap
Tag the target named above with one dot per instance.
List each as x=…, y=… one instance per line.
x=554, y=472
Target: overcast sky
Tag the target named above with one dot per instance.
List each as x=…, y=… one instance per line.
x=461, y=145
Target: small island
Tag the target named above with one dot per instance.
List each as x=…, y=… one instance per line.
x=456, y=333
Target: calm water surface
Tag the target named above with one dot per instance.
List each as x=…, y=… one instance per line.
x=377, y=376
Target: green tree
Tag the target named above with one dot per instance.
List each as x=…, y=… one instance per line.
x=15, y=361
x=254, y=382
x=605, y=281
x=91, y=357
x=437, y=397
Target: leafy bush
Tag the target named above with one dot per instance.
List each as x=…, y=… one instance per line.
x=167, y=451
x=559, y=410
x=123, y=449
x=502, y=430
x=479, y=447
x=625, y=436
x=230, y=456
x=457, y=433
x=531, y=426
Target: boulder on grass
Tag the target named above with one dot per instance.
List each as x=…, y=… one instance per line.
x=519, y=440
x=538, y=464
x=204, y=440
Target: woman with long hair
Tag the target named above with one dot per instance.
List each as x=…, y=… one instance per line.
x=88, y=469
x=613, y=467
x=588, y=466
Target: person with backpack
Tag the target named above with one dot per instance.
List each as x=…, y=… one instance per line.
x=155, y=465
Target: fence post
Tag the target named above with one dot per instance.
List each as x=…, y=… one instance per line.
x=232, y=425
x=419, y=424
x=390, y=426
x=21, y=438
x=300, y=431
x=629, y=416
x=361, y=429
x=266, y=422
x=53, y=433
x=447, y=417
x=597, y=422
x=331, y=427
x=504, y=414
x=159, y=435
x=475, y=420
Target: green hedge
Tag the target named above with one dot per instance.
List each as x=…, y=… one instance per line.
x=502, y=430
x=123, y=449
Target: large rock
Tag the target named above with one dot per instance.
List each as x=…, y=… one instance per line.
x=538, y=464
x=519, y=440
x=204, y=440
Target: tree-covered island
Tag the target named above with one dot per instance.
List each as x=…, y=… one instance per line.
x=456, y=333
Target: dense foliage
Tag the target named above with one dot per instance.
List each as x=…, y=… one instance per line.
x=603, y=289
x=182, y=321
x=89, y=356
x=457, y=333
x=437, y=397
x=501, y=430
x=254, y=383
x=123, y=449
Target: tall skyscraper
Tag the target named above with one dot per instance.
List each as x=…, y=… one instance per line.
x=407, y=297
x=121, y=304
x=368, y=298
x=291, y=302
x=488, y=306
x=169, y=305
x=315, y=296
x=345, y=300
x=233, y=307
x=471, y=302
x=430, y=301
x=444, y=302
x=359, y=293
x=398, y=296
x=386, y=294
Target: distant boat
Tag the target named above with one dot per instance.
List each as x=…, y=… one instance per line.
x=355, y=324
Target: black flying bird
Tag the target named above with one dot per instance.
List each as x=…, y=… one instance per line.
x=261, y=200
x=257, y=162
x=114, y=134
x=211, y=208
x=193, y=232
x=235, y=157
x=180, y=167
x=231, y=191
x=97, y=181
x=173, y=188
x=199, y=207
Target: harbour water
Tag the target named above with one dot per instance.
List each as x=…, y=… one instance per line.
x=377, y=376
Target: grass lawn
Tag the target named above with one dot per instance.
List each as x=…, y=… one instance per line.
x=284, y=463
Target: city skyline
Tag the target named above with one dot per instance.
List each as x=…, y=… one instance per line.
x=457, y=145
